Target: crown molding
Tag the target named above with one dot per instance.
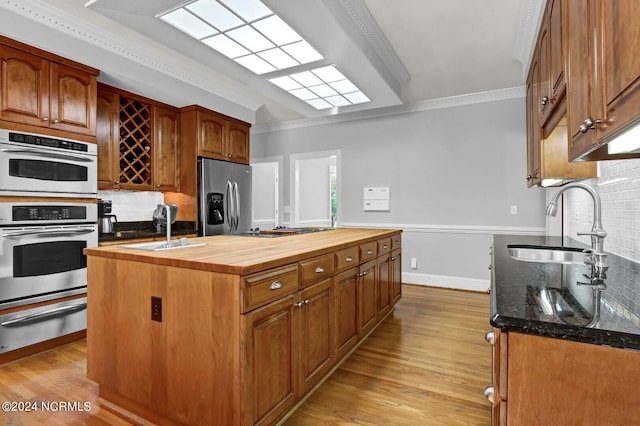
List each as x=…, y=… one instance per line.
x=433, y=104
x=526, y=31
x=70, y=25
x=367, y=25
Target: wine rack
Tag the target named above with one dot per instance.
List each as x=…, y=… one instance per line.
x=135, y=143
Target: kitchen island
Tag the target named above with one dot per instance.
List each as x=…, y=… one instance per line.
x=236, y=331
x=565, y=345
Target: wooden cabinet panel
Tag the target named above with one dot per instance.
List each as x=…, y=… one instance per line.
x=211, y=135
x=368, y=251
x=166, y=149
x=316, y=269
x=384, y=285
x=270, y=359
x=346, y=311
x=396, y=242
x=367, y=290
x=556, y=51
x=396, y=276
x=264, y=287
x=107, y=128
x=238, y=143
x=384, y=246
x=25, y=87
x=73, y=100
x=533, y=126
x=315, y=314
x=347, y=258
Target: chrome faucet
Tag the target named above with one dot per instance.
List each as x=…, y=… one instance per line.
x=596, y=256
x=167, y=209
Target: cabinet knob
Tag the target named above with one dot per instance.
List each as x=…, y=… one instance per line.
x=147, y=148
x=45, y=118
x=158, y=186
x=348, y=259
x=319, y=270
x=55, y=120
x=385, y=246
x=545, y=100
x=490, y=337
x=298, y=305
x=369, y=251
x=588, y=124
x=489, y=393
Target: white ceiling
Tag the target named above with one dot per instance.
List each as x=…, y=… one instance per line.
x=398, y=52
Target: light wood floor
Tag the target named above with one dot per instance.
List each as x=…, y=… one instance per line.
x=426, y=364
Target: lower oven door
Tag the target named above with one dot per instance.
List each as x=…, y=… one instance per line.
x=30, y=326
x=45, y=259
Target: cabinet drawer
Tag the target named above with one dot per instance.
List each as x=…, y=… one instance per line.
x=316, y=269
x=264, y=287
x=347, y=258
x=368, y=251
x=396, y=242
x=384, y=246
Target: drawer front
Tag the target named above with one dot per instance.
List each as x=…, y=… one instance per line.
x=316, y=269
x=368, y=251
x=264, y=287
x=384, y=246
x=396, y=242
x=347, y=258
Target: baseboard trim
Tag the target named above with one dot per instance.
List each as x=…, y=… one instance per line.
x=444, y=281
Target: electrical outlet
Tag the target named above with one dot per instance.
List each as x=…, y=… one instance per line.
x=414, y=263
x=514, y=209
x=156, y=308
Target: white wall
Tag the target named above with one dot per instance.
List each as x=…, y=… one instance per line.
x=453, y=173
x=133, y=206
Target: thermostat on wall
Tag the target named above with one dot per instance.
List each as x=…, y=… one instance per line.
x=376, y=199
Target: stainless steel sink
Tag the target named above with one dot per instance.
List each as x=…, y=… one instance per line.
x=543, y=254
x=162, y=245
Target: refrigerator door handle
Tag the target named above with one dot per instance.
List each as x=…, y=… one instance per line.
x=230, y=206
x=237, y=196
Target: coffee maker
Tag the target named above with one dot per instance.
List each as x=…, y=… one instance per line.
x=106, y=221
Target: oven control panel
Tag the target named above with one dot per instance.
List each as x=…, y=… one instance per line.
x=45, y=141
x=48, y=213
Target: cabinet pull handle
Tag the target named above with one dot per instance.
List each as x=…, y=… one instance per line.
x=319, y=269
x=348, y=259
x=545, y=100
x=55, y=120
x=394, y=258
x=588, y=124
x=385, y=246
x=45, y=118
x=275, y=285
x=362, y=274
x=489, y=393
x=298, y=305
x=369, y=251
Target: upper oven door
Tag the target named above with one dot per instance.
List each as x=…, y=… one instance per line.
x=27, y=170
x=38, y=260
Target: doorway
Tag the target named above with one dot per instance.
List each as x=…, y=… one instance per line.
x=314, y=189
x=265, y=199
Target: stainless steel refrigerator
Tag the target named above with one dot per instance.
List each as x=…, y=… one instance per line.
x=224, y=197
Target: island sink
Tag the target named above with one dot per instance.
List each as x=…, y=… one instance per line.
x=543, y=254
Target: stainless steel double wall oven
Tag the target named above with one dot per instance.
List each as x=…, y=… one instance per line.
x=48, y=215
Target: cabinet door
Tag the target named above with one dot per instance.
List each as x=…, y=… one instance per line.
x=166, y=150
x=238, y=143
x=315, y=313
x=384, y=285
x=270, y=339
x=25, y=87
x=543, y=103
x=396, y=276
x=533, y=126
x=107, y=127
x=583, y=97
x=211, y=135
x=73, y=100
x=366, y=285
x=346, y=312
x=621, y=64
x=556, y=51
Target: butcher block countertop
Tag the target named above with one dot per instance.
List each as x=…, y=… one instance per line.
x=242, y=255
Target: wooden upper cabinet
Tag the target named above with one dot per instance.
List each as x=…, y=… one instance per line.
x=533, y=128
x=238, y=143
x=39, y=91
x=166, y=149
x=211, y=135
x=551, y=60
x=107, y=137
x=603, y=74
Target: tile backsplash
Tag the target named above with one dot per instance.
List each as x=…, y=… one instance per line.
x=132, y=206
x=619, y=187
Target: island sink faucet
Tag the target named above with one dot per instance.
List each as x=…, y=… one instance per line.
x=167, y=209
x=596, y=256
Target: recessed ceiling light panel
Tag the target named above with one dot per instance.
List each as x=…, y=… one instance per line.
x=189, y=24
x=302, y=52
x=277, y=30
x=249, y=10
x=278, y=58
x=255, y=64
x=226, y=46
x=215, y=14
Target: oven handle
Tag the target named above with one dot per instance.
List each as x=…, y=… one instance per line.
x=47, y=155
x=78, y=231
x=40, y=316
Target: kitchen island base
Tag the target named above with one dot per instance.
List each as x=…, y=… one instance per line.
x=230, y=344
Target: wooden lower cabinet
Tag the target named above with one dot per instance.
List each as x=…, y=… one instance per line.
x=396, y=276
x=367, y=291
x=270, y=339
x=384, y=285
x=346, y=311
x=544, y=381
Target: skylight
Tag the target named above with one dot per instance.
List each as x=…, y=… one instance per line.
x=252, y=35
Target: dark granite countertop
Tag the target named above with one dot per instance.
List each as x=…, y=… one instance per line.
x=559, y=301
x=145, y=229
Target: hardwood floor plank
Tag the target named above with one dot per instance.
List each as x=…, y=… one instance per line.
x=426, y=364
